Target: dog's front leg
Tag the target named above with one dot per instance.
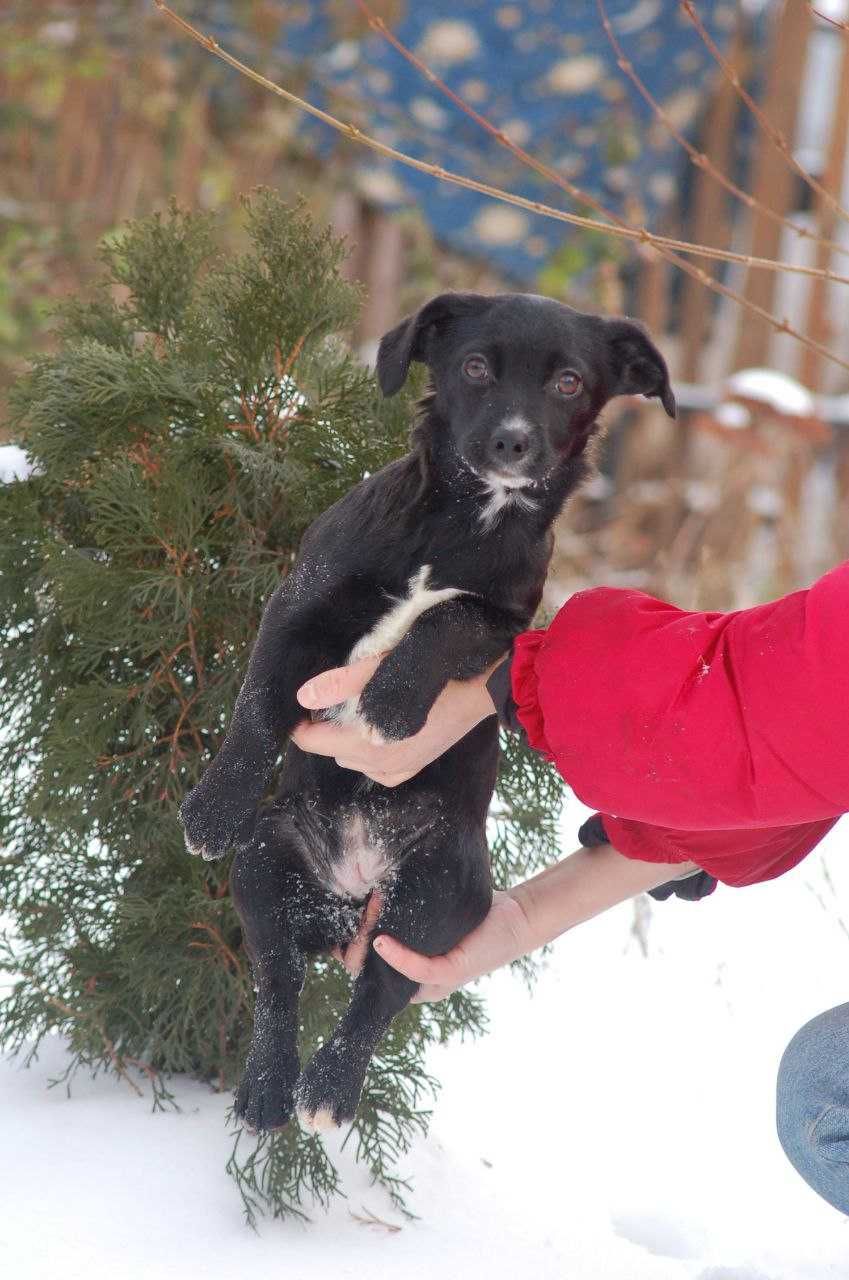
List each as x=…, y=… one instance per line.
x=220, y=812
x=455, y=640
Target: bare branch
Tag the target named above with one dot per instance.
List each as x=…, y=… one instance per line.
x=835, y=22
x=662, y=244
x=659, y=243
x=699, y=158
x=619, y=227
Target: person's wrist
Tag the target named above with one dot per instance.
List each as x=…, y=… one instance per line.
x=471, y=700
x=521, y=926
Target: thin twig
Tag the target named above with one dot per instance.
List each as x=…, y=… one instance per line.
x=699, y=158
x=658, y=243
x=835, y=22
x=616, y=228
x=196, y=661
x=369, y=1219
x=620, y=227
x=219, y=946
x=775, y=135
x=661, y=244
x=117, y=1059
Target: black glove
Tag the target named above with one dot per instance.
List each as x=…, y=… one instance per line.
x=500, y=690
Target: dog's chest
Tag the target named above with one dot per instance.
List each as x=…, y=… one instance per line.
x=402, y=613
x=393, y=625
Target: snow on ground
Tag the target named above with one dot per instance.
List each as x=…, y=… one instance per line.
x=615, y=1125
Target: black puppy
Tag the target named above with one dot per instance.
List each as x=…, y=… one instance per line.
x=440, y=559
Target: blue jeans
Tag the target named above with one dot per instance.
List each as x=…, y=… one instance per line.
x=813, y=1105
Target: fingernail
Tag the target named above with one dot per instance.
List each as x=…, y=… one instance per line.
x=379, y=944
x=306, y=694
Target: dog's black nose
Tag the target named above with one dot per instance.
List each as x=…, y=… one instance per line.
x=509, y=445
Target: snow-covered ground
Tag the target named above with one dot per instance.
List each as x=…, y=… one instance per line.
x=616, y=1125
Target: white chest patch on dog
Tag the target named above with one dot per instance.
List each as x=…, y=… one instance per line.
x=405, y=609
x=502, y=492
x=364, y=862
x=395, y=624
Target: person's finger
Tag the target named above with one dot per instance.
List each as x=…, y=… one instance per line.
x=337, y=684
x=444, y=970
x=323, y=738
x=374, y=906
x=357, y=950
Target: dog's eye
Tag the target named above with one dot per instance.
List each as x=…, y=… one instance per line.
x=476, y=369
x=569, y=383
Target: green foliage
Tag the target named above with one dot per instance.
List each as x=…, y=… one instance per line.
x=183, y=440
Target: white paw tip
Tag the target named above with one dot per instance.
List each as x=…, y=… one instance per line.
x=316, y=1121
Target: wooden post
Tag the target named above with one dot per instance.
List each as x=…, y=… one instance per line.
x=774, y=180
x=346, y=218
x=384, y=248
x=709, y=223
x=817, y=322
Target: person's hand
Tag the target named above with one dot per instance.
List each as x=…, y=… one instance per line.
x=502, y=937
x=461, y=705
x=520, y=920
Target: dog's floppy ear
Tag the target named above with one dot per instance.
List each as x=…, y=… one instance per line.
x=408, y=341
x=638, y=367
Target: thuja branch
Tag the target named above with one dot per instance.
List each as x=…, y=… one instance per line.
x=118, y=1061
x=615, y=227
x=699, y=158
x=659, y=243
x=776, y=137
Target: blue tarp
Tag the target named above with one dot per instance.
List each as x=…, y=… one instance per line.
x=542, y=71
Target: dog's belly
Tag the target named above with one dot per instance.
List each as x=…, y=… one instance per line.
x=352, y=845
x=393, y=626
x=364, y=861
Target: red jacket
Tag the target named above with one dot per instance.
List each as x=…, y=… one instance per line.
x=717, y=738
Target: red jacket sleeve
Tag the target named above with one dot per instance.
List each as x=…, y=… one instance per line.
x=717, y=738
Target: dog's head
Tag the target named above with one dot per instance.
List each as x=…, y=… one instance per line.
x=520, y=379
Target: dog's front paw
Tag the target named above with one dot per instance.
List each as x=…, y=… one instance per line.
x=389, y=716
x=327, y=1094
x=216, y=819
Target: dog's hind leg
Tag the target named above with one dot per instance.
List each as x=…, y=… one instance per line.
x=438, y=896
x=283, y=916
